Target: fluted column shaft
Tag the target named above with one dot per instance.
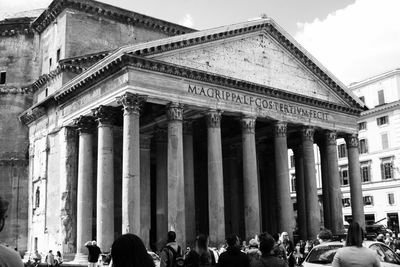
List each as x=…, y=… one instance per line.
x=284, y=202
x=175, y=174
x=357, y=205
x=216, y=205
x=335, y=194
x=250, y=179
x=300, y=192
x=131, y=162
x=189, y=183
x=105, y=177
x=86, y=126
x=310, y=184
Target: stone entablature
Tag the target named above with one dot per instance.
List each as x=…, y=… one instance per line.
x=107, y=11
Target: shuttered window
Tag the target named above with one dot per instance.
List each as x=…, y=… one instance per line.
x=381, y=97
x=363, y=146
x=342, y=153
x=385, y=141
x=387, y=168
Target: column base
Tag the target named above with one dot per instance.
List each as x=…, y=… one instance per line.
x=80, y=258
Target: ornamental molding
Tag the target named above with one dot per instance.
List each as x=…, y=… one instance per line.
x=307, y=133
x=85, y=124
x=174, y=112
x=104, y=114
x=107, y=11
x=214, y=118
x=330, y=137
x=352, y=140
x=280, y=129
x=132, y=103
x=17, y=26
x=32, y=114
x=248, y=124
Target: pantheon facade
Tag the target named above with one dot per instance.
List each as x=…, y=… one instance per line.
x=142, y=126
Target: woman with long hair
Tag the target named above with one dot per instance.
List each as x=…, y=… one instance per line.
x=129, y=251
x=201, y=255
x=353, y=253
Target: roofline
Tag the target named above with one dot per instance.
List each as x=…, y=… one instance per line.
x=109, y=11
x=374, y=79
x=380, y=109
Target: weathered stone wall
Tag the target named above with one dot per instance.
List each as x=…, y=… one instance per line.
x=19, y=60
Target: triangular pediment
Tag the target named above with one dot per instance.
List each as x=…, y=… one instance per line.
x=255, y=58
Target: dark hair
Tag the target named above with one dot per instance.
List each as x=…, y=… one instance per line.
x=325, y=234
x=202, y=249
x=355, y=235
x=3, y=210
x=171, y=236
x=231, y=240
x=129, y=251
x=267, y=242
x=58, y=253
x=276, y=237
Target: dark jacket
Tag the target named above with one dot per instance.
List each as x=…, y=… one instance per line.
x=233, y=257
x=94, y=252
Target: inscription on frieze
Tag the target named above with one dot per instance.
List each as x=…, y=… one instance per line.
x=263, y=103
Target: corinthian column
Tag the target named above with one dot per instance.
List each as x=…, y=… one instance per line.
x=105, y=177
x=175, y=177
x=357, y=207
x=216, y=212
x=145, y=190
x=335, y=194
x=300, y=191
x=310, y=183
x=284, y=201
x=132, y=104
x=250, y=179
x=85, y=126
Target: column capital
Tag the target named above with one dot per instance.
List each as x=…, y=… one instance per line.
x=330, y=137
x=104, y=114
x=175, y=111
x=132, y=103
x=214, y=118
x=145, y=141
x=352, y=140
x=85, y=124
x=188, y=127
x=280, y=129
x=307, y=133
x=248, y=124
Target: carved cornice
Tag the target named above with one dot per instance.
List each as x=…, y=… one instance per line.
x=16, y=26
x=330, y=137
x=352, y=140
x=32, y=115
x=280, y=129
x=248, y=124
x=307, y=133
x=85, y=124
x=104, y=114
x=214, y=118
x=175, y=112
x=132, y=103
x=107, y=11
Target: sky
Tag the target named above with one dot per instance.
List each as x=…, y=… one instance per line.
x=353, y=39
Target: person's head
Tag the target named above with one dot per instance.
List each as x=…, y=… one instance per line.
x=284, y=237
x=387, y=235
x=171, y=236
x=267, y=242
x=355, y=235
x=129, y=251
x=325, y=235
x=380, y=237
x=50, y=251
x=3, y=211
x=232, y=240
x=276, y=237
x=94, y=243
x=253, y=243
x=58, y=253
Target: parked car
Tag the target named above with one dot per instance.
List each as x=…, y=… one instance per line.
x=322, y=255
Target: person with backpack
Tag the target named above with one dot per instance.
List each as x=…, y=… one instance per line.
x=171, y=254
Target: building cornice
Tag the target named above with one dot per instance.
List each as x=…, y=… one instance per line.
x=108, y=11
x=380, y=109
x=374, y=79
x=17, y=26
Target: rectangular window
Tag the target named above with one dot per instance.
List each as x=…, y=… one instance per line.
x=291, y=161
x=368, y=201
x=385, y=141
x=363, y=146
x=3, y=77
x=387, y=168
x=58, y=54
x=365, y=170
x=346, y=202
x=382, y=120
x=342, y=153
x=391, y=199
x=362, y=126
x=344, y=176
x=293, y=182
x=381, y=97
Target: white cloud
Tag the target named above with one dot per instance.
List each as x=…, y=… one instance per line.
x=356, y=42
x=187, y=21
